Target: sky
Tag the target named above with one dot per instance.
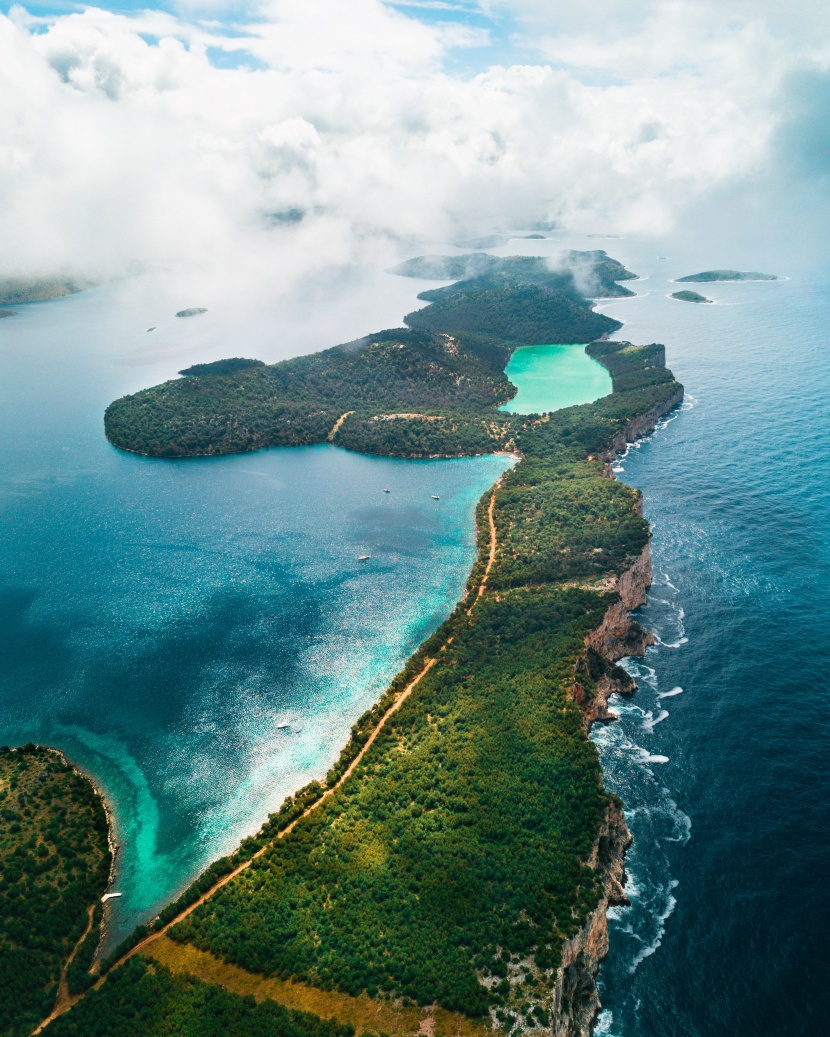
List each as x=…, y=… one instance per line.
x=295, y=136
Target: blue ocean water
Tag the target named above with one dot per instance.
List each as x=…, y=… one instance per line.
x=161, y=622
x=723, y=755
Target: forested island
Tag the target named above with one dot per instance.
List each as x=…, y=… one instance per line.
x=727, y=275
x=452, y=871
x=54, y=866
x=687, y=296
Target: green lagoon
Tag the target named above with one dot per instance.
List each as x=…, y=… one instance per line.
x=551, y=377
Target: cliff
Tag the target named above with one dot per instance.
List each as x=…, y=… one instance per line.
x=641, y=425
x=575, y=1001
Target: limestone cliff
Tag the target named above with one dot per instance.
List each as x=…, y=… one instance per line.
x=575, y=1000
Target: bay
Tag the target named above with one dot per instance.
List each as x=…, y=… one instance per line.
x=198, y=635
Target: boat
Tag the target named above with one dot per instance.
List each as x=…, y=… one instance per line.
x=363, y=558
x=282, y=727
x=385, y=490
x=435, y=496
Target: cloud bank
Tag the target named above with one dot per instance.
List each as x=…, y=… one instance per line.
x=137, y=141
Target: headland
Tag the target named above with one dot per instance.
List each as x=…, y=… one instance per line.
x=459, y=858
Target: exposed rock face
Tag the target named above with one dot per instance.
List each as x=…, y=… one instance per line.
x=575, y=999
x=618, y=635
x=641, y=425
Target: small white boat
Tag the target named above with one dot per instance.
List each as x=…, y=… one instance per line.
x=435, y=496
x=385, y=490
x=282, y=727
x=363, y=558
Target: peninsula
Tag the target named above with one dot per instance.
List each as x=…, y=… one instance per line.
x=17, y=290
x=54, y=865
x=452, y=872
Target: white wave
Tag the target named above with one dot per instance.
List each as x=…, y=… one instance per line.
x=651, y=722
x=670, y=644
x=670, y=694
x=656, y=758
x=650, y=948
x=605, y=1020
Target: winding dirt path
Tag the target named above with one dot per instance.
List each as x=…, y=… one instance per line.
x=493, y=546
x=65, y=1001
x=337, y=424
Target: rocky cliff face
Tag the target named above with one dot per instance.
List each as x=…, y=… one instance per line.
x=575, y=999
x=641, y=425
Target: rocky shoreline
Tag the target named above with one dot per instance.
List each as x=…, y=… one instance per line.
x=575, y=1001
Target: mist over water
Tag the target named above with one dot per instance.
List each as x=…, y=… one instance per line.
x=721, y=756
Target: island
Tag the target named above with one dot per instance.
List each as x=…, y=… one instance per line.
x=7, y=313
x=687, y=296
x=452, y=872
x=572, y=273
x=17, y=290
x=726, y=275
x=192, y=311
x=55, y=859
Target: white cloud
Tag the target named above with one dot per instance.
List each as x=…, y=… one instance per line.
x=122, y=143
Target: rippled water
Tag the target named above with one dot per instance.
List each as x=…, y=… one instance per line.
x=198, y=635
x=722, y=755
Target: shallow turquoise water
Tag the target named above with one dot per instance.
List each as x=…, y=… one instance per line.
x=551, y=377
x=160, y=621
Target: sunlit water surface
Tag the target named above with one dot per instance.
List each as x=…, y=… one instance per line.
x=198, y=635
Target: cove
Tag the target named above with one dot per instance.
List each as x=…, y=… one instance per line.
x=551, y=377
x=199, y=635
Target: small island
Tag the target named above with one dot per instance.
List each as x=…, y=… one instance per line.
x=192, y=311
x=687, y=296
x=726, y=275
x=7, y=313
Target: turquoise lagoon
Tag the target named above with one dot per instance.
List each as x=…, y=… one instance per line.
x=551, y=377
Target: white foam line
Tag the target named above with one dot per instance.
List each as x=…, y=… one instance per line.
x=670, y=694
x=651, y=722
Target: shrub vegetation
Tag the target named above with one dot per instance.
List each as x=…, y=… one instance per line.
x=54, y=865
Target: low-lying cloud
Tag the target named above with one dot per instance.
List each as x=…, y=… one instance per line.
x=305, y=134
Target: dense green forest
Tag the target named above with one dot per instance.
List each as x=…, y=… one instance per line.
x=54, y=865
x=143, y=999
x=430, y=389
x=687, y=296
x=453, y=864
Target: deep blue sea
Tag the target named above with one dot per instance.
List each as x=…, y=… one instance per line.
x=723, y=756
